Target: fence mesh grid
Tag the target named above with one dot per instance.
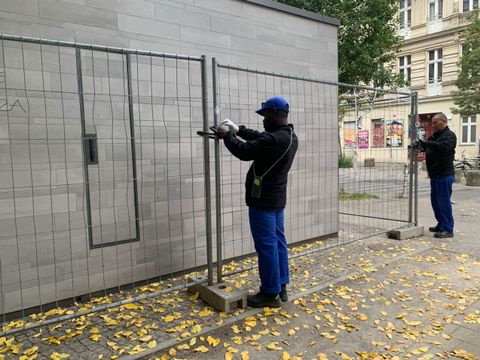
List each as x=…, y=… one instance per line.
x=312, y=203
x=102, y=174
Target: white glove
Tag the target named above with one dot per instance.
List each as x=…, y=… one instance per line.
x=231, y=125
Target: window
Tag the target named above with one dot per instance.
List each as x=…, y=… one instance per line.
x=469, y=129
x=405, y=13
x=469, y=5
x=404, y=68
x=435, y=66
x=435, y=9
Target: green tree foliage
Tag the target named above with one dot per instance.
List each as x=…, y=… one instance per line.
x=467, y=98
x=367, y=40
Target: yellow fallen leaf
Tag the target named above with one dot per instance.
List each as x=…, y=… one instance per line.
x=169, y=318
x=201, y=348
x=94, y=330
x=235, y=329
x=426, y=357
x=31, y=351
x=412, y=323
x=196, y=329
x=328, y=336
x=419, y=350
x=95, y=337
x=132, y=306
x=146, y=338
x=245, y=355
x=53, y=340
x=59, y=356
x=362, y=317
x=194, y=296
x=285, y=356
x=183, y=347
x=229, y=356
x=205, y=312
x=291, y=332
x=136, y=350
x=193, y=341
x=212, y=341
x=273, y=346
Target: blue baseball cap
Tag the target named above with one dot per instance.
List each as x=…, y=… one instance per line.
x=274, y=103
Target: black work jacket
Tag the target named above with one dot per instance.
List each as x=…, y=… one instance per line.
x=440, y=153
x=265, y=148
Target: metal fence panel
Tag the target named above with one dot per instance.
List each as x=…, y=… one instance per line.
x=324, y=201
x=102, y=173
x=104, y=181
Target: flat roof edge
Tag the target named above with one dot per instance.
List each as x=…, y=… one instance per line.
x=295, y=11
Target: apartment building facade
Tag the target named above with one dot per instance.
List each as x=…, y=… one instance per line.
x=428, y=60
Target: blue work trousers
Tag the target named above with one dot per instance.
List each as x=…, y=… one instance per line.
x=440, y=195
x=269, y=237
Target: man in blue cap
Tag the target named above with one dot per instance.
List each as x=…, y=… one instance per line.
x=272, y=152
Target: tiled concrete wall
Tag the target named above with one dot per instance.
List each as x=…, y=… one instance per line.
x=44, y=246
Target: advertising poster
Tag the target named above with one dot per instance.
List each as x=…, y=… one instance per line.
x=378, y=133
x=349, y=135
x=394, y=133
x=362, y=139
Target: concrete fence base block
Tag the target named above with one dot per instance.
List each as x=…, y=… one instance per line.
x=473, y=178
x=223, y=297
x=370, y=162
x=406, y=233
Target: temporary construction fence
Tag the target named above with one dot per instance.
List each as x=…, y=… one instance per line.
x=105, y=182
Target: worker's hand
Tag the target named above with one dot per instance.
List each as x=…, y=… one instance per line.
x=231, y=125
x=222, y=130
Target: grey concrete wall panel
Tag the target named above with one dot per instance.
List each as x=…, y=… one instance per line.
x=45, y=248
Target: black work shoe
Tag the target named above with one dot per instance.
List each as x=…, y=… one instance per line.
x=433, y=228
x=443, y=234
x=264, y=300
x=283, y=294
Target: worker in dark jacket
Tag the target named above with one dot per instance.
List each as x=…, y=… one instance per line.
x=272, y=153
x=440, y=152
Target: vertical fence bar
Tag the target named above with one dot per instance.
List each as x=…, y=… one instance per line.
x=132, y=146
x=206, y=167
x=78, y=57
x=218, y=185
x=415, y=160
x=413, y=155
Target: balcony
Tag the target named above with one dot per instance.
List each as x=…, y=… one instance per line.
x=434, y=89
x=434, y=24
x=404, y=32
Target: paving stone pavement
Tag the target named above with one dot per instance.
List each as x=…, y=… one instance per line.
x=365, y=298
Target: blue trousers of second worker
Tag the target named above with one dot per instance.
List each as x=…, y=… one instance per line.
x=440, y=195
x=269, y=237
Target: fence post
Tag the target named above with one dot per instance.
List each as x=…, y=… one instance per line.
x=206, y=168
x=218, y=186
x=413, y=171
x=415, y=160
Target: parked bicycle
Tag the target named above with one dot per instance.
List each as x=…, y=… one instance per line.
x=463, y=164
